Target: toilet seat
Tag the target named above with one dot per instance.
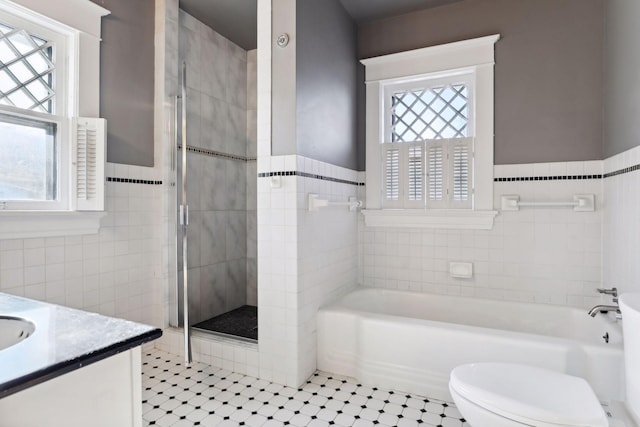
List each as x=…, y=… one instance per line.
x=529, y=395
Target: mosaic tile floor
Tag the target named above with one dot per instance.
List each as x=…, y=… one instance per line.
x=202, y=395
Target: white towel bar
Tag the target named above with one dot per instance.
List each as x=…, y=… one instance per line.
x=580, y=203
x=314, y=203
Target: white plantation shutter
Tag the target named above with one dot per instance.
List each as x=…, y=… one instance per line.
x=415, y=173
x=436, y=175
x=403, y=171
x=89, y=159
x=461, y=154
x=391, y=163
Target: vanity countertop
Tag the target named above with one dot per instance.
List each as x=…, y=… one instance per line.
x=64, y=340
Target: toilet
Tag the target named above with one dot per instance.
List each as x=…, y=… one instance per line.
x=504, y=394
x=510, y=395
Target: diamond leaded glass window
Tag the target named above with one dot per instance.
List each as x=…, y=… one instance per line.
x=439, y=112
x=26, y=70
x=429, y=141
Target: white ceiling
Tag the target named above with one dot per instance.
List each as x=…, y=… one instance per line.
x=237, y=19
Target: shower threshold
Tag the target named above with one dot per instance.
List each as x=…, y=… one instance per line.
x=239, y=323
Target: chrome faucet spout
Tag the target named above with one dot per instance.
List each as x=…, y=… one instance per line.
x=603, y=309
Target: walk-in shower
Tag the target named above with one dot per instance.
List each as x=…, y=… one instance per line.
x=216, y=179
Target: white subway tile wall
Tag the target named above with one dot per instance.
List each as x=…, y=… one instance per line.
x=621, y=224
x=544, y=255
x=306, y=259
x=232, y=355
x=115, y=272
x=327, y=248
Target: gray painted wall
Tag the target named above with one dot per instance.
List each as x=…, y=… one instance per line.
x=326, y=83
x=622, y=68
x=549, y=72
x=126, y=80
x=362, y=122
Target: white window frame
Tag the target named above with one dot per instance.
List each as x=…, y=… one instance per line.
x=75, y=27
x=62, y=38
x=475, y=56
x=389, y=88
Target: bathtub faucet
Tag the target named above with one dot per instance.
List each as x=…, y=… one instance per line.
x=605, y=309
x=613, y=292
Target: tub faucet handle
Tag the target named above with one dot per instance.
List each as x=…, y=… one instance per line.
x=613, y=291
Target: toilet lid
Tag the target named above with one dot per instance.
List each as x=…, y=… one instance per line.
x=526, y=393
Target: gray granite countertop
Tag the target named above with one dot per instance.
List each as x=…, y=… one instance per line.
x=64, y=340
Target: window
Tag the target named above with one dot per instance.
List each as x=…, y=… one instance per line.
x=33, y=137
x=429, y=137
x=427, y=148
x=27, y=71
x=29, y=173
x=53, y=160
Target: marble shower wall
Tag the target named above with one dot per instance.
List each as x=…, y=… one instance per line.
x=217, y=172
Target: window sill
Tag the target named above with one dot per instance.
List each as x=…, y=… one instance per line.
x=442, y=218
x=28, y=224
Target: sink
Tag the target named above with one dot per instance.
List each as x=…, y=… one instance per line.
x=13, y=330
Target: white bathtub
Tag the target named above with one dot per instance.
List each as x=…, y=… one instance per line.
x=411, y=341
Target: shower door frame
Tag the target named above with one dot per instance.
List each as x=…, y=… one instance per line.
x=183, y=214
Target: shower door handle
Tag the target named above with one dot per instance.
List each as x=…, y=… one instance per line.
x=175, y=143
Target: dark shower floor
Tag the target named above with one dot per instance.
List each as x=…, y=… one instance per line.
x=241, y=322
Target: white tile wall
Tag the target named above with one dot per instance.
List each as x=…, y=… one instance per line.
x=621, y=225
x=277, y=276
x=305, y=259
x=543, y=255
x=327, y=250
x=222, y=353
x=115, y=272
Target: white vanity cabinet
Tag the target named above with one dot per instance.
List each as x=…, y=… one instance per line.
x=107, y=393
x=74, y=369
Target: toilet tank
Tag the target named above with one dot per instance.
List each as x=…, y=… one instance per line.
x=630, y=307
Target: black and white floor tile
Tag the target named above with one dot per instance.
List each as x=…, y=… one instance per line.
x=201, y=395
